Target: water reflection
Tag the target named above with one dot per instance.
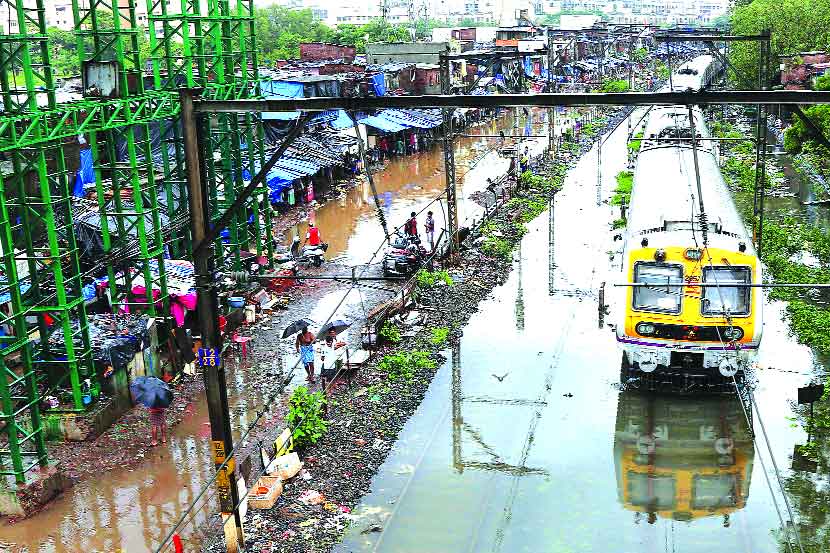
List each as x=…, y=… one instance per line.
x=682, y=458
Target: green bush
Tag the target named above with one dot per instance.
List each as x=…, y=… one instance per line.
x=528, y=208
x=305, y=416
x=614, y=85
x=495, y=246
x=439, y=335
x=618, y=224
x=622, y=194
x=427, y=279
x=404, y=364
x=390, y=332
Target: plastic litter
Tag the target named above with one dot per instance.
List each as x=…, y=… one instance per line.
x=311, y=497
x=285, y=466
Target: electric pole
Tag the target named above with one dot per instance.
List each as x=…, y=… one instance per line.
x=210, y=355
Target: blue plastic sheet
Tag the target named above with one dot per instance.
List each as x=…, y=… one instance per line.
x=282, y=89
x=85, y=174
x=379, y=84
x=383, y=124
x=342, y=121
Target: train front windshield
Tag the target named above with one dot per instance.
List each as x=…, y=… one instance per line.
x=653, y=297
x=726, y=297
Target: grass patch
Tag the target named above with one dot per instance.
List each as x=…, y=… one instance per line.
x=439, y=335
x=622, y=193
x=404, y=364
x=390, y=332
x=427, y=279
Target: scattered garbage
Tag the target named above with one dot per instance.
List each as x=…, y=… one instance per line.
x=311, y=497
x=285, y=466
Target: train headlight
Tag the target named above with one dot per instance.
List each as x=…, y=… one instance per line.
x=733, y=333
x=645, y=329
x=693, y=254
x=660, y=255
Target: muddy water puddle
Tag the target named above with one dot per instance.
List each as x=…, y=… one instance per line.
x=526, y=442
x=349, y=224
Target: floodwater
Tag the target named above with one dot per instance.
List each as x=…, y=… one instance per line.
x=525, y=441
x=133, y=510
x=411, y=183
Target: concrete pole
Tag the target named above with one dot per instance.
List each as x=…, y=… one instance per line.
x=208, y=312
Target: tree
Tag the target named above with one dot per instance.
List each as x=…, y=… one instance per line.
x=375, y=31
x=796, y=26
x=280, y=31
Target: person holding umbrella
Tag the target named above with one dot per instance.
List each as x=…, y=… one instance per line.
x=305, y=347
x=156, y=396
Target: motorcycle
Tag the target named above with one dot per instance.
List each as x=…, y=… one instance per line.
x=297, y=255
x=403, y=256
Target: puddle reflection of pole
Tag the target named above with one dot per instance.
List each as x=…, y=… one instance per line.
x=551, y=247
x=520, y=298
x=457, y=419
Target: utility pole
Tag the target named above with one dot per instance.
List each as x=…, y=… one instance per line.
x=210, y=355
x=551, y=110
x=449, y=154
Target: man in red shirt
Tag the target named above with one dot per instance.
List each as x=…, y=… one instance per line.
x=313, y=235
x=411, y=226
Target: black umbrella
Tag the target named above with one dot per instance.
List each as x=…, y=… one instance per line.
x=151, y=392
x=338, y=326
x=296, y=327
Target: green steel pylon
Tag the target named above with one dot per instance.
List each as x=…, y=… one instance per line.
x=126, y=190
x=41, y=271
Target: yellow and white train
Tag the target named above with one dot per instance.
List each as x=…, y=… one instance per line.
x=672, y=330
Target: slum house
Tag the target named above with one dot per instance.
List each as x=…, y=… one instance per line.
x=321, y=51
x=397, y=132
x=327, y=151
x=405, y=52
x=510, y=36
x=799, y=71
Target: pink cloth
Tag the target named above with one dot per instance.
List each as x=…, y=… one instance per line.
x=178, y=304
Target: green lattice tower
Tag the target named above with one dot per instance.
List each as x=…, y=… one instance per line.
x=126, y=190
x=218, y=54
x=38, y=248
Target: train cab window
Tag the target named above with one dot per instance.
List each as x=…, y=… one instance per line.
x=714, y=491
x=653, y=492
x=726, y=297
x=654, y=298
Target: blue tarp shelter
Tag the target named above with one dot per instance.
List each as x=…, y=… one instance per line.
x=383, y=124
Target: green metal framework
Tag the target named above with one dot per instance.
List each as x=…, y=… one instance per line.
x=127, y=196
x=218, y=53
x=47, y=342
x=194, y=43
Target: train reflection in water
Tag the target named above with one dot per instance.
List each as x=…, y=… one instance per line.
x=682, y=458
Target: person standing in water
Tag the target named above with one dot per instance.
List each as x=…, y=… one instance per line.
x=429, y=226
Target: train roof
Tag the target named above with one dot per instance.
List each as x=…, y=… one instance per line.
x=662, y=118
x=665, y=198
x=691, y=74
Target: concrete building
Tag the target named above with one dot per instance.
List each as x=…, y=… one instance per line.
x=405, y=52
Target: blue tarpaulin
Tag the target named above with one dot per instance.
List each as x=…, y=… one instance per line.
x=343, y=121
x=379, y=84
x=528, y=67
x=279, y=90
x=412, y=118
x=383, y=124
x=282, y=89
x=85, y=174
